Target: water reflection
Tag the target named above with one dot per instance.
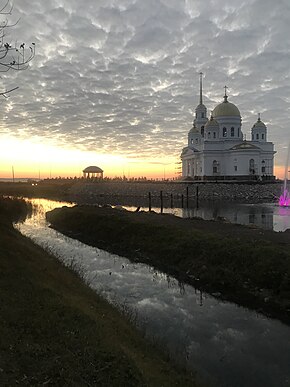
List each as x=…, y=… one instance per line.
x=267, y=216
x=226, y=344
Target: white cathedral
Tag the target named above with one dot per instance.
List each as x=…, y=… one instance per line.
x=217, y=149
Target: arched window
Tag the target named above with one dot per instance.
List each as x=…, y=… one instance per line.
x=202, y=131
x=191, y=141
x=257, y=136
x=252, y=166
x=214, y=134
x=232, y=131
x=214, y=167
x=209, y=135
x=263, y=137
x=263, y=169
x=224, y=131
x=202, y=115
x=196, y=140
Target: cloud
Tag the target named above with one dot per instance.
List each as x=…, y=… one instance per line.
x=121, y=77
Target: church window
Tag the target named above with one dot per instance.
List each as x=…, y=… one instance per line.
x=214, y=134
x=191, y=141
x=252, y=218
x=224, y=131
x=196, y=140
x=236, y=168
x=202, y=115
x=252, y=137
x=214, y=166
x=232, y=131
x=263, y=166
x=257, y=136
x=252, y=166
x=209, y=135
x=202, y=131
x=263, y=137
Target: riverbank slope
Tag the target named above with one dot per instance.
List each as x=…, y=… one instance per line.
x=56, y=331
x=247, y=265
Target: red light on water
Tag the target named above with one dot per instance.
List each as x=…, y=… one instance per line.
x=284, y=200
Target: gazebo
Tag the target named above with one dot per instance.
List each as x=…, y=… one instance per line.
x=93, y=172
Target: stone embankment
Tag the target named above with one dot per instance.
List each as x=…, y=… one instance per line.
x=252, y=193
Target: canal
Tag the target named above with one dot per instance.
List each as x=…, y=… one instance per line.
x=225, y=344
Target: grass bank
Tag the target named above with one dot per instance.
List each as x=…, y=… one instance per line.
x=249, y=266
x=56, y=331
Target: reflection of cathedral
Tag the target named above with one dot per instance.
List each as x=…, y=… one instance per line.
x=217, y=149
x=260, y=216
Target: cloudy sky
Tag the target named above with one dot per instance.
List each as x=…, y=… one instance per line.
x=115, y=82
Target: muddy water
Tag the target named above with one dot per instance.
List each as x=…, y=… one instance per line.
x=225, y=344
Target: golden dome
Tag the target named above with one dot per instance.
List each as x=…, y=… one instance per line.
x=226, y=109
x=211, y=123
x=259, y=124
x=194, y=129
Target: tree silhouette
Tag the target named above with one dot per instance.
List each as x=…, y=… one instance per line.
x=12, y=57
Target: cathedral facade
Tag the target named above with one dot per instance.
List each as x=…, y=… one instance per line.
x=217, y=149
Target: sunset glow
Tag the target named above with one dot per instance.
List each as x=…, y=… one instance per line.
x=34, y=160
x=118, y=85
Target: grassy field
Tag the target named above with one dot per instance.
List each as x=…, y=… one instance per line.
x=56, y=331
x=249, y=266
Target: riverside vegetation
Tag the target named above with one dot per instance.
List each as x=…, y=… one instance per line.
x=247, y=265
x=56, y=331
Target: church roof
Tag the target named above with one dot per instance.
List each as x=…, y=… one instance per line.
x=226, y=109
x=211, y=123
x=189, y=151
x=259, y=124
x=201, y=106
x=244, y=146
x=194, y=129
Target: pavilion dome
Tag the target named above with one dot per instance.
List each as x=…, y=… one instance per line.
x=226, y=109
x=93, y=169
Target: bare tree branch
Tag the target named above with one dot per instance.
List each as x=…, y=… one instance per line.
x=15, y=57
x=4, y=93
x=3, y=10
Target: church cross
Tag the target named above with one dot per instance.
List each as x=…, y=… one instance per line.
x=225, y=90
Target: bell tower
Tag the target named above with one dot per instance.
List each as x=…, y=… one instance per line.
x=200, y=111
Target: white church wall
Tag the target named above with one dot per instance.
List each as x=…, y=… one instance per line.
x=213, y=156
